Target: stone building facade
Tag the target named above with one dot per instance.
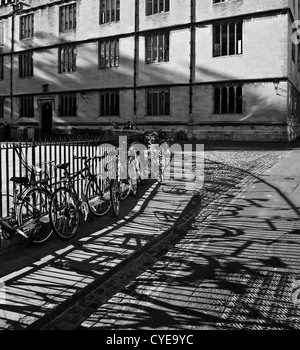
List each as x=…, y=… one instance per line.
x=218, y=69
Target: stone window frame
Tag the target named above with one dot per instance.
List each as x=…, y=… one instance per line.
x=109, y=11
x=27, y=26
x=26, y=107
x=158, y=101
x=157, y=47
x=228, y=99
x=25, y=64
x=109, y=103
x=67, y=59
x=153, y=7
x=109, y=54
x=67, y=105
x=228, y=38
x=67, y=18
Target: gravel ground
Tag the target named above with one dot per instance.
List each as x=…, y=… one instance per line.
x=178, y=287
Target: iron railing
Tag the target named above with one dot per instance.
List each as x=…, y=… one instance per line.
x=37, y=153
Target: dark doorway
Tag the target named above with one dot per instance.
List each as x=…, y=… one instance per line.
x=46, y=118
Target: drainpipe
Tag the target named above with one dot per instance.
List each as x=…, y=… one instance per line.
x=135, y=63
x=11, y=61
x=192, y=68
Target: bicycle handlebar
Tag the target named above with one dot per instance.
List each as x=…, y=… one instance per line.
x=89, y=159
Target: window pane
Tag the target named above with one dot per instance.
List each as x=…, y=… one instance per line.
x=166, y=44
x=71, y=17
x=161, y=6
x=161, y=48
x=154, y=49
x=74, y=59
x=118, y=10
x=217, y=100
x=107, y=104
x=239, y=38
x=239, y=99
x=102, y=11
x=107, y=12
x=149, y=103
x=161, y=103
x=224, y=100
x=112, y=104
x=167, y=102
x=112, y=54
x=107, y=55
x=148, y=49
x=66, y=59
x=117, y=53
x=155, y=102
x=217, y=40
x=155, y=6
x=167, y=5
x=62, y=20
x=117, y=110
x=232, y=39
x=113, y=10
x=74, y=17
x=149, y=7
x=231, y=100
x=102, y=55
x=74, y=106
x=224, y=40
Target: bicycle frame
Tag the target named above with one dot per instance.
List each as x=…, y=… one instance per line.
x=156, y=152
x=68, y=180
x=86, y=175
x=10, y=225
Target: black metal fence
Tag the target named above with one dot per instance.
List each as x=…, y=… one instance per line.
x=41, y=153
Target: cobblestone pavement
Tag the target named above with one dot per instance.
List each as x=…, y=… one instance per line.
x=218, y=272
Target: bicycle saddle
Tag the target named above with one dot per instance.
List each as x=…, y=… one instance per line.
x=63, y=166
x=23, y=180
x=113, y=153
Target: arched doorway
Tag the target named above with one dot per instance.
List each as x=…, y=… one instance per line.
x=46, y=117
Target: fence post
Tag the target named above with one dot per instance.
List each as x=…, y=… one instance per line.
x=32, y=152
x=0, y=181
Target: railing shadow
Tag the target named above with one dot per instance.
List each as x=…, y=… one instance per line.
x=229, y=275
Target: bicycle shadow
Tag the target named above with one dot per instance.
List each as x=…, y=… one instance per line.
x=57, y=274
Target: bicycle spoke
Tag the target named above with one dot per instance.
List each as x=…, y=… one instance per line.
x=98, y=196
x=33, y=215
x=64, y=213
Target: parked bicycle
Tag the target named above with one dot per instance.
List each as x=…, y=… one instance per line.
x=67, y=205
x=29, y=214
x=112, y=169
x=130, y=184
x=159, y=154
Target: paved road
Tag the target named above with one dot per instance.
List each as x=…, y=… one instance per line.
x=236, y=266
x=37, y=283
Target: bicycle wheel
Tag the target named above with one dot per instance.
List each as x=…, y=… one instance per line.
x=160, y=177
x=65, y=213
x=133, y=177
x=156, y=167
x=162, y=166
x=33, y=215
x=134, y=184
x=115, y=197
x=98, y=195
x=124, y=189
